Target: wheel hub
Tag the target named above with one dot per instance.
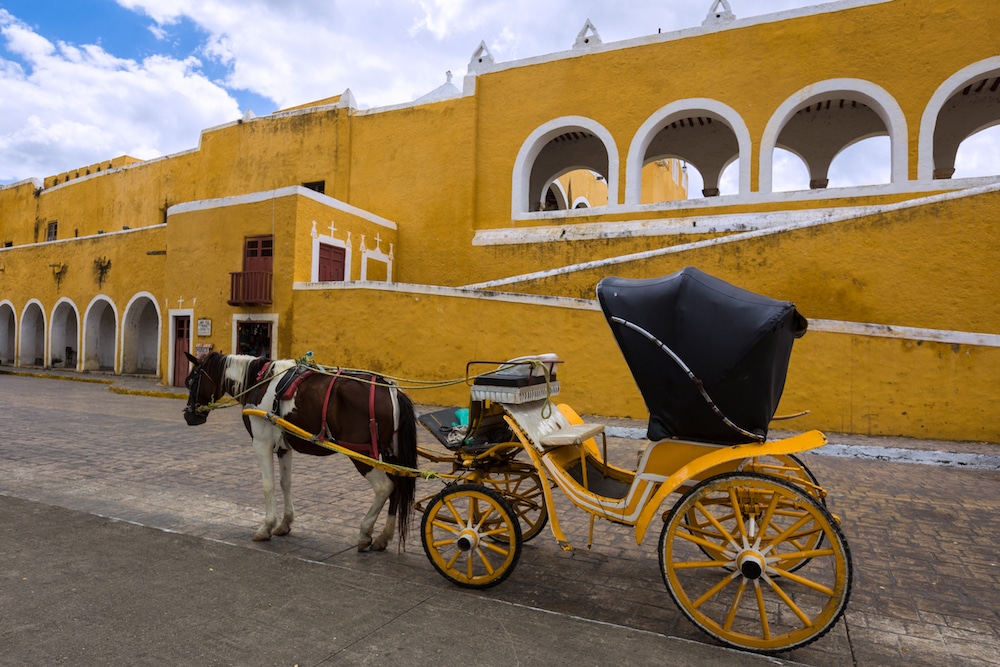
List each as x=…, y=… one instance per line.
x=468, y=539
x=751, y=564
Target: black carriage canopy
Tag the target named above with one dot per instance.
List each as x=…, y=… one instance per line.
x=736, y=342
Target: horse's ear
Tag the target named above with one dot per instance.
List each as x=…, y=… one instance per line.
x=193, y=359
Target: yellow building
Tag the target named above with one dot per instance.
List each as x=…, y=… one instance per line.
x=410, y=239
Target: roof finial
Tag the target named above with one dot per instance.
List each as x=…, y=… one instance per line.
x=481, y=60
x=587, y=36
x=720, y=12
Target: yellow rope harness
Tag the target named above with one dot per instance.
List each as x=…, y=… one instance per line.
x=288, y=427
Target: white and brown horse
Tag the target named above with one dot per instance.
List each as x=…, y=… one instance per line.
x=360, y=411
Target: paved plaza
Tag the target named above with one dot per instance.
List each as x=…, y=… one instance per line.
x=126, y=540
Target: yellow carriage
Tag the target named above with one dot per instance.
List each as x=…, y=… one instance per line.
x=749, y=551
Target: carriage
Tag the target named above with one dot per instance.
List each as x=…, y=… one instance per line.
x=747, y=548
x=748, y=551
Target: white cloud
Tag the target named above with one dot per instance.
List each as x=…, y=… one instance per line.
x=67, y=106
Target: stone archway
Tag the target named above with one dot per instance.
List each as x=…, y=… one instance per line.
x=818, y=122
x=31, y=351
x=100, y=324
x=8, y=333
x=703, y=132
x=64, y=335
x=141, y=336
x=557, y=148
x=966, y=103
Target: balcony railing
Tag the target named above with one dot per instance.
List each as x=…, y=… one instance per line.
x=250, y=288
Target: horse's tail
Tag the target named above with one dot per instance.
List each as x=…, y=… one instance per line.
x=404, y=486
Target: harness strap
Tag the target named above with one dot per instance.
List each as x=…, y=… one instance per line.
x=324, y=430
x=371, y=418
x=324, y=433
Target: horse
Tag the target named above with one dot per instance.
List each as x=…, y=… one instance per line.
x=357, y=410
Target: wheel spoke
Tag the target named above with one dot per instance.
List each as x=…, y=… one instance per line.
x=712, y=592
x=765, y=627
x=735, y=606
x=788, y=601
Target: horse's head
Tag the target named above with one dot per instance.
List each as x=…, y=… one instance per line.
x=202, y=391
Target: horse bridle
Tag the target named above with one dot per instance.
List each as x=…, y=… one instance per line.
x=194, y=386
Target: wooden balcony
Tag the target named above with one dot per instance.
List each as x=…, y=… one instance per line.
x=250, y=288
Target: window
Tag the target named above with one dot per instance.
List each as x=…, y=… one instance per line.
x=53, y=230
x=318, y=186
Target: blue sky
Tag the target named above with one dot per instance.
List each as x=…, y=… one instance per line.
x=87, y=80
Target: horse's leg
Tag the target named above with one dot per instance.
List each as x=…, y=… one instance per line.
x=382, y=486
x=263, y=448
x=389, y=530
x=285, y=469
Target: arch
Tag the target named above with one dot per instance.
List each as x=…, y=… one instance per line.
x=648, y=131
x=140, y=341
x=885, y=107
x=540, y=160
x=64, y=334
x=31, y=338
x=932, y=112
x=99, y=350
x=8, y=333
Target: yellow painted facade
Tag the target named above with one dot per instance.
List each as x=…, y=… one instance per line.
x=436, y=209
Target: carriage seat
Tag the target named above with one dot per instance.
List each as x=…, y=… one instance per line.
x=576, y=434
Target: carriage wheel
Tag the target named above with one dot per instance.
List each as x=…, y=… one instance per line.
x=522, y=489
x=471, y=536
x=779, y=465
x=741, y=589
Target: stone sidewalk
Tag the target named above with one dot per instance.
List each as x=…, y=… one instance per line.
x=923, y=537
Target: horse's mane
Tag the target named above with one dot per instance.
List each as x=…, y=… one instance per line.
x=242, y=369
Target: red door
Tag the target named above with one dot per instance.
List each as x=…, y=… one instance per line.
x=182, y=344
x=332, y=261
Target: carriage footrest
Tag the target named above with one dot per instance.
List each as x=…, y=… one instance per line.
x=577, y=434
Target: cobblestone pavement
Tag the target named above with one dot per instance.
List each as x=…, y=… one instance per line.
x=923, y=537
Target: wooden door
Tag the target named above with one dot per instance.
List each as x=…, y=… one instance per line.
x=258, y=253
x=182, y=344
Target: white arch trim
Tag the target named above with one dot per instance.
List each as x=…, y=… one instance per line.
x=45, y=331
x=79, y=327
x=928, y=122
x=159, y=321
x=538, y=139
x=876, y=97
x=656, y=122
x=86, y=321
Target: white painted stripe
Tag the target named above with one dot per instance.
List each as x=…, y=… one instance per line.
x=265, y=195
x=454, y=292
x=906, y=333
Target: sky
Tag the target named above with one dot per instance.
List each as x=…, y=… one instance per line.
x=84, y=81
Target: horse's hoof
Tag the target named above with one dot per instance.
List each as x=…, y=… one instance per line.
x=363, y=544
x=282, y=530
x=261, y=537
x=379, y=545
